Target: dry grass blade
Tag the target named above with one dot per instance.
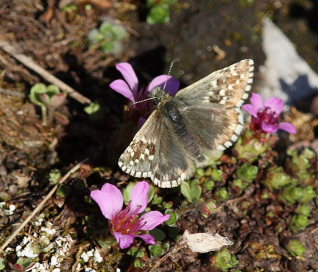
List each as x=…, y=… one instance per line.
x=28, y=62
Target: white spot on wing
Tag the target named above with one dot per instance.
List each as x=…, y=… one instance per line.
x=174, y=183
x=239, y=104
x=244, y=96
x=238, y=129
x=234, y=137
x=220, y=147
x=166, y=184
x=227, y=143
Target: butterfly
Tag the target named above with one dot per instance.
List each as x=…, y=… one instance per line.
x=184, y=130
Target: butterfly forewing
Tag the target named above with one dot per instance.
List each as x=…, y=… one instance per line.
x=228, y=86
x=186, y=129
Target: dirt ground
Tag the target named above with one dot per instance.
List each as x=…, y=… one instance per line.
x=204, y=36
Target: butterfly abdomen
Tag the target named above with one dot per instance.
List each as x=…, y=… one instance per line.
x=178, y=122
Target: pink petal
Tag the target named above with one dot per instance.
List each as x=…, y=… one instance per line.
x=172, y=86
x=139, y=197
x=121, y=87
x=153, y=219
x=287, y=127
x=109, y=199
x=129, y=75
x=124, y=240
x=256, y=101
x=269, y=128
x=250, y=109
x=149, y=239
x=276, y=104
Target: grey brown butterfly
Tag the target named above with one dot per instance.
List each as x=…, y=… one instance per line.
x=184, y=130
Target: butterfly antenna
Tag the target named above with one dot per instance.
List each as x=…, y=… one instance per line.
x=144, y=100
x=169, y=71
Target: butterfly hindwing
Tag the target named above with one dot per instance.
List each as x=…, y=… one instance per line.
x=213, y=128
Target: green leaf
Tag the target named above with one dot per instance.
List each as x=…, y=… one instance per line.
x=159, y=14
x=36, y=90
x=2, y=264
x=295, y=247
x=152, y=193
x=158, y=234
x=156, y=250
x=136, y=251
x=63, y=191
x=276, y=178
x=138, y=263
x=173, y=217
x=92, y=108
x=216, y=174
x=209, y=185
x=54, y=176
x=247, y=172
x=304, y=209
x=299, y=223
x=291, y=194
x=224, y=260
x=191, y=190
x=52, y=90
x=128, y=190
x=309, y=193
x=222, y=194
x=109, y=37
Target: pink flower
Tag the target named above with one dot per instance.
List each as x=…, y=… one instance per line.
x=126, y=223
x=130, y=86
x=266, y=115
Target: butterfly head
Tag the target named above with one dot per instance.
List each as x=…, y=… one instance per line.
x=157, y=94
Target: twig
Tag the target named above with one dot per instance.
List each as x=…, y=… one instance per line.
x=39, y=207
x=176, y=248
x=28, y=62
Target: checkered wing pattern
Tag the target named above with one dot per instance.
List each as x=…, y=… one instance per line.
x=156, y=153
x=185, y=130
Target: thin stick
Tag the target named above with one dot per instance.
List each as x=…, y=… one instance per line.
x=176, y=248
x=39, y=207
x=28, y=62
